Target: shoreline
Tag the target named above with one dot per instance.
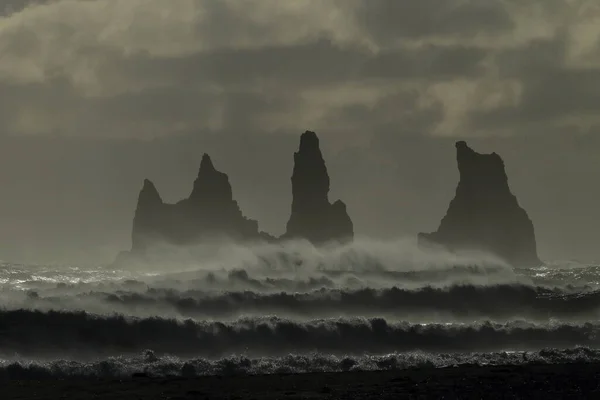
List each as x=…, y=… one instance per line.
x=580, y=380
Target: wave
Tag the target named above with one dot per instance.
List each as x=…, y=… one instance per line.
x=246, y=308
x=425, y=304
x=284, y=263
x=147, y=363
x=240, y=280
x=362, y=254
x=81, y=335
x=295, y=266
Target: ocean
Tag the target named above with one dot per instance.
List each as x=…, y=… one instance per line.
x=287, y=308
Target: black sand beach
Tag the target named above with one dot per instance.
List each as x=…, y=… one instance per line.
x=533, y=381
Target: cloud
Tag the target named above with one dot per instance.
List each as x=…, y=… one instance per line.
x=389, y=21
x=139, y=68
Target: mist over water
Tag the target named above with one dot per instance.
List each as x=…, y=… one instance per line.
x=292, y=307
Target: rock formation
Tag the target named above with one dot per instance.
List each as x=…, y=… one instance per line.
x=313, y=217
x=209, y=212
x=149, y=217
x=484, y=214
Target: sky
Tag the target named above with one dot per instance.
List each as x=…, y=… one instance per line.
x=96, y=95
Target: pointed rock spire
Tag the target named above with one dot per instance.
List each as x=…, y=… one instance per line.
x=149, y=194
x=484, y=214
x=211, y=187
x=309, y=142
x=313, y=217
x=147, y=215
x=206, y=164
x=209, y=211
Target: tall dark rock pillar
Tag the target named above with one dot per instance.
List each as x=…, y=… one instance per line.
x=148, y=217
x=484, y=215
x=313, y=217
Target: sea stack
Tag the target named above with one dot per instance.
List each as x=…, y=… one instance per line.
x=209, y=212
x=313, y=217
x=149, y=217
x=484, y=215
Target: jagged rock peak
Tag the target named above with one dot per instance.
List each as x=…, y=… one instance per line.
x=149, y=204
x=211, y=184
x=206, y=164
x=149, y=192
x=484, y=214
x=209, y=212
x=313, y=217
x=309, y=141
x=463, y=151
x=465, y=154
x=487, y=169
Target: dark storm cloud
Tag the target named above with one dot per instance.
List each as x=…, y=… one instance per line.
x=554, y=93
x=389, y=20
x=560, y=96
x=382, y=116
x=196, y=64
x=313, y=63
x=428, y=62
x=8, y=7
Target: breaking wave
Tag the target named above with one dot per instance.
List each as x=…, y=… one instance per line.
x=425, y=304
x=149, y=364
x=77, y=334
x=294, y=308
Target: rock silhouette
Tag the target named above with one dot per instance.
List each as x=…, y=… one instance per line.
x=209, y=211
x=313, y=217
x=149, y=216
x=484, y=214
